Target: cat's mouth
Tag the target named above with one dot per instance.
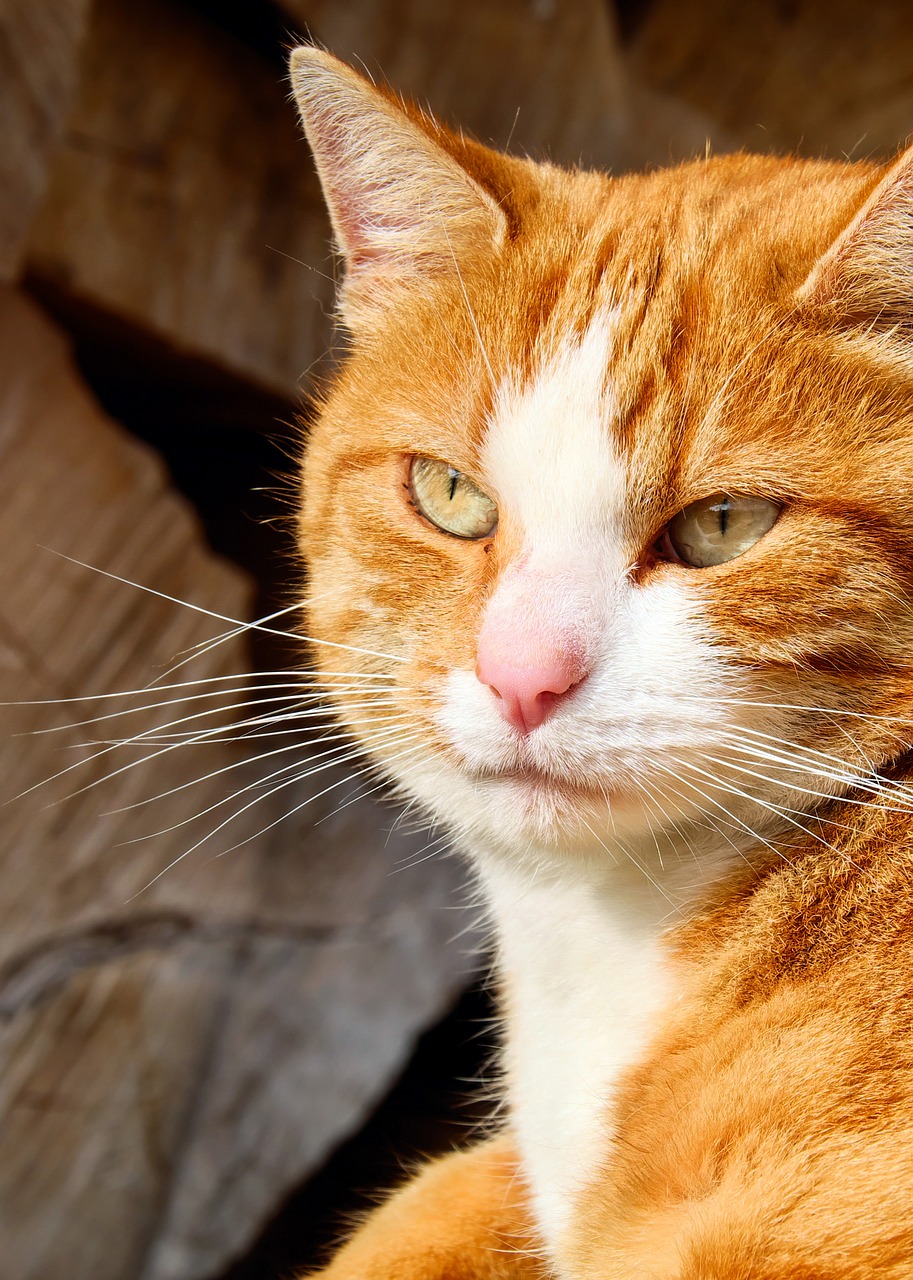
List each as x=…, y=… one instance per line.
x=543, y=786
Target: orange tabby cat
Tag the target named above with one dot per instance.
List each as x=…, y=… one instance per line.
x=612, y=505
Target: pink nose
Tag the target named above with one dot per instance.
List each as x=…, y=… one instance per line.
x=528, y=694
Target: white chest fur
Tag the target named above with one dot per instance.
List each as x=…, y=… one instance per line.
x=584, y=981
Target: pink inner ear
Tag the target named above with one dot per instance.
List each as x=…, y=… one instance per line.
x=398, y=200
x=528, y=659
x=866, y=270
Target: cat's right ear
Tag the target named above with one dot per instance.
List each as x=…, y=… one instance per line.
x=865, y=278
x=402, y=208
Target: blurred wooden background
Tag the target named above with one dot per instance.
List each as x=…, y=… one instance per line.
x=179, y=1055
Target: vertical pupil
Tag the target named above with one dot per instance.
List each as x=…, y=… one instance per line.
x=724, y=515
x=454, y=478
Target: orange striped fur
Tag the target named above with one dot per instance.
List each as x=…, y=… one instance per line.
x=698, y=865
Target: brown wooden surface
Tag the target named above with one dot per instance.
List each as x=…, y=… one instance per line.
x=39, y=59
x=821, y=77
x=544, y=77
x=183, y=201
x=173, y=1058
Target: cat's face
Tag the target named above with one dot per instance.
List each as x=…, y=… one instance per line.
x=612, y=502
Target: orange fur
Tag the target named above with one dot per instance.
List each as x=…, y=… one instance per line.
x=760, y=346
x=463, y=1218
x=768, y=1133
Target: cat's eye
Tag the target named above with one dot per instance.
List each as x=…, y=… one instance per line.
x=451, y=501
x=717, y=529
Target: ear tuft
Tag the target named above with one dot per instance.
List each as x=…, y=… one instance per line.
x=400, y=205
x=866, y=276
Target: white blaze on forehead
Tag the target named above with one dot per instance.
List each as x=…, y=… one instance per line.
x=549, y=454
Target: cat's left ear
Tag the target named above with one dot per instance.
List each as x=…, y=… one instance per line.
x=866, y=276
x=402, y=208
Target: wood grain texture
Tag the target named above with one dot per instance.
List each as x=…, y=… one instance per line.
x=544, y=76
x=183, y=201
x=39, y=59
x=174, y=1056
x=811, y=76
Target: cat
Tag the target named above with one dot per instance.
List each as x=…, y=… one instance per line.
x=611, y=502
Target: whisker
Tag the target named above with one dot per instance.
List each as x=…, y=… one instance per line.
x=732, y=819
x=339, y=755
x=359, y=795
x=303, y=680
x=284, y=817
x=470, y=312
x=203, y=647
x=221, y=617
x=297, y=712
x=126, y=742
x=843, y=769
x=425, y=854
x=630, y=856
x=786, y=809
x=301, y=692
x=247, y=761
x=771, y=808
x=792, y=706
x=861, y=782
x=144, y=737
x=714, y=824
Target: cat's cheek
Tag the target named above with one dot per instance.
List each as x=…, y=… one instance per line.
x=469, y=718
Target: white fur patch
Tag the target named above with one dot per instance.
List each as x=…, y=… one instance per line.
x=582, y=892
x=550, y=460
x=584, y=982
x=580, y=915
x=548, y=454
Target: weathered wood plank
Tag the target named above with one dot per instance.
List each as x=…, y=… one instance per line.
x=546, y=76
x=812, y=76
x=173, y=1058
x=183, y=202
x=39, y=55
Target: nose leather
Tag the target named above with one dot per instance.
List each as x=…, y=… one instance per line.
x=528, y=679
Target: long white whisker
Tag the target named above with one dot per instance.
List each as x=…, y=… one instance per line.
x=194, y=739
x=469, y=310
x=861, y=782
x=303, y=678
x=338, y=755
x=247, y=761
x=794, y=706
x=126, y=742
x=712, y=821
x=266, y=795
x=360, y=795
x=206, y=646
x=290, y=716
x=771, y=808
x=221, y=617
x=732, y=818
x=843, y=770
x=300, y=692
x=636, y=861
x=785, y=809
x=427, y=851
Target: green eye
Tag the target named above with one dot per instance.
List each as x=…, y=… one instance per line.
x=445, y=497
x=717, y=529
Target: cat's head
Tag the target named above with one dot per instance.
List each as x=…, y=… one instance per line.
x=609, y=510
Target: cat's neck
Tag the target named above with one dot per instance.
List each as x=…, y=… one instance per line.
x=585, y=977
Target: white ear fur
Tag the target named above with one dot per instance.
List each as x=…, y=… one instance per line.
x=866, y=276
x=401, y=207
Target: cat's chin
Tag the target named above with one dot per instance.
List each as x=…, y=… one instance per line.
x=521, y=807
x=565, y=812
x=533, y=788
